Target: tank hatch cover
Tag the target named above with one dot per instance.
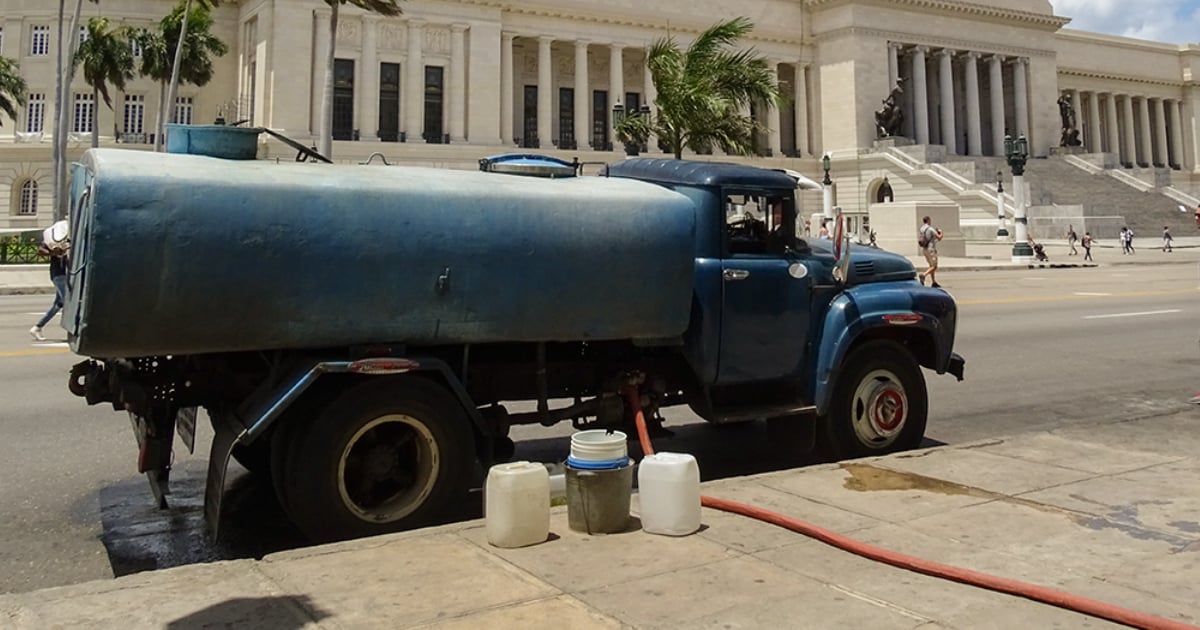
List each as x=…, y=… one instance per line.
x=529, y=164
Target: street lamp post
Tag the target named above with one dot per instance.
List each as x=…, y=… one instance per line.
x=1016, y=152
x=1002, y=231
x=827, y=188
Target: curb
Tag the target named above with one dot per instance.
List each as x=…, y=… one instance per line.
x=49, y=290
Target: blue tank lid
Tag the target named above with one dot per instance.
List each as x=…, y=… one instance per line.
x=528, y=164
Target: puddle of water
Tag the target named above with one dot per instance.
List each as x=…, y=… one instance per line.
x=867, y=478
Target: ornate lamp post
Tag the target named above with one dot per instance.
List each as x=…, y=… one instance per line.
x=1002, y=231
x=827, y=187
x=1016, y=152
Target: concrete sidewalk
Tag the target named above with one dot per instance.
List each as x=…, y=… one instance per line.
x=1110, y=512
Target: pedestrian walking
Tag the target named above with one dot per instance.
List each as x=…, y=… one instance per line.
x=54, y=244
x=1129, y=240
x=1124, y=240
x=927, y=240
x=1071, y=238
x=1167, y=239
x=1086, y=242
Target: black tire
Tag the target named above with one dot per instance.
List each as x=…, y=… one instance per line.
x=879, y=404
x=386, y=455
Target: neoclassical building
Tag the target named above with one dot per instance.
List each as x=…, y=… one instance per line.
x=450, y=81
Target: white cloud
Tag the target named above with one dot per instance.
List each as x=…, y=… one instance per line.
x=1172, y=21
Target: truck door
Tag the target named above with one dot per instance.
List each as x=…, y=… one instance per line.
x=766, y=289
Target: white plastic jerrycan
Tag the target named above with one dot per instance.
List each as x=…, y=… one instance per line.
x=517, y=504
x=669, y=494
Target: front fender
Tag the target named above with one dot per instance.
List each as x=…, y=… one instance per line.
x=899, y=310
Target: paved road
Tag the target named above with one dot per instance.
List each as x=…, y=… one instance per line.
x=1043, y=348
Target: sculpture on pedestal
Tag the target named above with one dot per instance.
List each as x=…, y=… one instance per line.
x=890, y=119
x=1070, y=132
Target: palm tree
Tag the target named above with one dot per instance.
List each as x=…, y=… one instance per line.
x=382, y=7
x=12, y=88
x=159, y=49
x=178, y=60
x=703, y=92
x=106, y=58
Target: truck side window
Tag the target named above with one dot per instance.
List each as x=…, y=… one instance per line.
x=760, y=224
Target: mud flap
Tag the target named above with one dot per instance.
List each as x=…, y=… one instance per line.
x=155, y=433
x=224, y=437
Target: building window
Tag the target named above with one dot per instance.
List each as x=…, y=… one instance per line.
x=530, y=141
x=85, y=114
x=35, y=112
x=29, y=199
x=389, y=102
x=183, y=110
x=434, y=89
x=135, y=114
x=1, y=39
x=83, y=34
x=135, y=48
x=39, y=44
x=566, y=118
x=343, y=99
x=600, y=120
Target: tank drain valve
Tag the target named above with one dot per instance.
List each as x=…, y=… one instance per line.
x=443, y=282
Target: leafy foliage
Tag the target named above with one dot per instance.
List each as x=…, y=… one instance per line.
x=105, y=57
x=159, y=45
x=704, y=90
x=12, y=87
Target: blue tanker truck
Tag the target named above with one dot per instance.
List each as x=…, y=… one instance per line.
x=354, y=333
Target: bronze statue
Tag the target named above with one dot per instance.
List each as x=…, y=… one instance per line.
x=890, y=119
x=1070, y=134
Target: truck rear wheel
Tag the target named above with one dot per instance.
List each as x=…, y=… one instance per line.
x=879, y=404
x=386, y=455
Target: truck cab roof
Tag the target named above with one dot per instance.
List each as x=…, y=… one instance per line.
x=697, y=173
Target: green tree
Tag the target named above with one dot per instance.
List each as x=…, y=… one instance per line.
x=177, y=62
x=703, y=92
x=158, y=53
x=106, y=58
x=12, y=88
x=382, y=7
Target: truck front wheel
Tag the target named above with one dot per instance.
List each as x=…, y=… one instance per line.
x=879, y=404
x=386, y=455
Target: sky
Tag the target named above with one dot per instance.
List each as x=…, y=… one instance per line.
x=1170, y=21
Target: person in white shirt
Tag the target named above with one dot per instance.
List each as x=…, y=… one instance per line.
x=929, y=237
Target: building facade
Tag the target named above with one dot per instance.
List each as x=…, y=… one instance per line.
x=450, y=81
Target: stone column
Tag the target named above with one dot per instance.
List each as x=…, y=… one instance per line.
x=1094, y=137
x=320, y=54
x=583, y=96
x=1129, y=155
x=946, y=81
x=414, y=72
x=616, y=85
x=974, y=118
x=774, y=118
x=458, y=83
x=1021, y=97
x=545, y=102
x=1147, y=144
x=506, y=88
x=1176, y=133
x=893, y=64
x=996, y=81
x=1077, y=107
x=650, y=96
x=801, y=99
x=920, y=97
x=1160, y=134
x=1114, y=129
x=368, y=96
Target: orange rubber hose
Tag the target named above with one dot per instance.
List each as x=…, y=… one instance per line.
x=1034, y=592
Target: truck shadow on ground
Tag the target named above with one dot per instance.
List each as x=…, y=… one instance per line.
x=140, y=537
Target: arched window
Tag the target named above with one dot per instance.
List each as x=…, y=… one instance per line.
x=29, y=198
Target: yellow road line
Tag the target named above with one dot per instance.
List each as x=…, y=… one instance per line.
x=34, y=353
x=1063, y=298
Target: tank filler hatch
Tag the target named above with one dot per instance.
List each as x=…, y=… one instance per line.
x=530, y=165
